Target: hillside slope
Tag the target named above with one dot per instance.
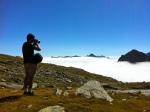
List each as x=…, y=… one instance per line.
x=11, y=70
x=49, y=77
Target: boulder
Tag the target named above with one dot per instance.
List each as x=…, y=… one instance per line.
x=93, y=89
x=134, y=56
x=56, y=108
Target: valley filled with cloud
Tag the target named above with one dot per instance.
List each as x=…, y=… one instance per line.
x=122, y=71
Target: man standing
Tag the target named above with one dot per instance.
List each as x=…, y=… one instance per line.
x=30, y=64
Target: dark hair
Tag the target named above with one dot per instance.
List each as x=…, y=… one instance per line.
x=30, y=36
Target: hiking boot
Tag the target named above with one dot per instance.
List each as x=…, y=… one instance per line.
x=29, y=93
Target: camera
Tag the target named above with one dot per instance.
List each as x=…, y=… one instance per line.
x=36, y=41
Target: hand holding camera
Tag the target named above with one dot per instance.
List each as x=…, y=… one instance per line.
x=36, y=41
x=36, y=44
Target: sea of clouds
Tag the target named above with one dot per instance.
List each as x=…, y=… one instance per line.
x=122, y=71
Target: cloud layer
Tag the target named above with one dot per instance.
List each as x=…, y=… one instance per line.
x=122, y=71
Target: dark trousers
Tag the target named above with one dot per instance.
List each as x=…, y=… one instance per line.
x=30, y=70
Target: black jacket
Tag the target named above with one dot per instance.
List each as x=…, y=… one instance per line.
x=28, y=52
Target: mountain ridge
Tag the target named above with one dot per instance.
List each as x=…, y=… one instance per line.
x=89, y=55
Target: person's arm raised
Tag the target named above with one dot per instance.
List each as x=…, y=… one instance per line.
x=37, y=47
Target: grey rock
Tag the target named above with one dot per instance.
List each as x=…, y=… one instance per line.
x=58, y=92
x=11, y=85
x=69, y=87
x=66, y=93
x=34, y=85
x=68, y=80
x=93, y=89
x=56, y=108
x=145, y=92
x=124, y=99
x=3, y=80
x=29, y=106
x=14, y=85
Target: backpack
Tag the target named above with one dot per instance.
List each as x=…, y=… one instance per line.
x=37, y=58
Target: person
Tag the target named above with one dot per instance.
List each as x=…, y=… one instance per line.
x=29, y=64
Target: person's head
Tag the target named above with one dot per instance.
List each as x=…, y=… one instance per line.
x=30, y=38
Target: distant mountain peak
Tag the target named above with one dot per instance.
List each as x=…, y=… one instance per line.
x=91, y=55
x=100, y=56
x=134, y=56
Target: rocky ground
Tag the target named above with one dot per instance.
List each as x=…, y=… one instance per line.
x=12, y=100
x=67, y=89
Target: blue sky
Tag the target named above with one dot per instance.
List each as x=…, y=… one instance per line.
x=69, y=27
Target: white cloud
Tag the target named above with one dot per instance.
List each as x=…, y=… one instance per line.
x=122, y=71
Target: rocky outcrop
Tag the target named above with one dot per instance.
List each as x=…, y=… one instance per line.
x=93, y=89
x=134, y=56
x=148, y=54
x=56, y=108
